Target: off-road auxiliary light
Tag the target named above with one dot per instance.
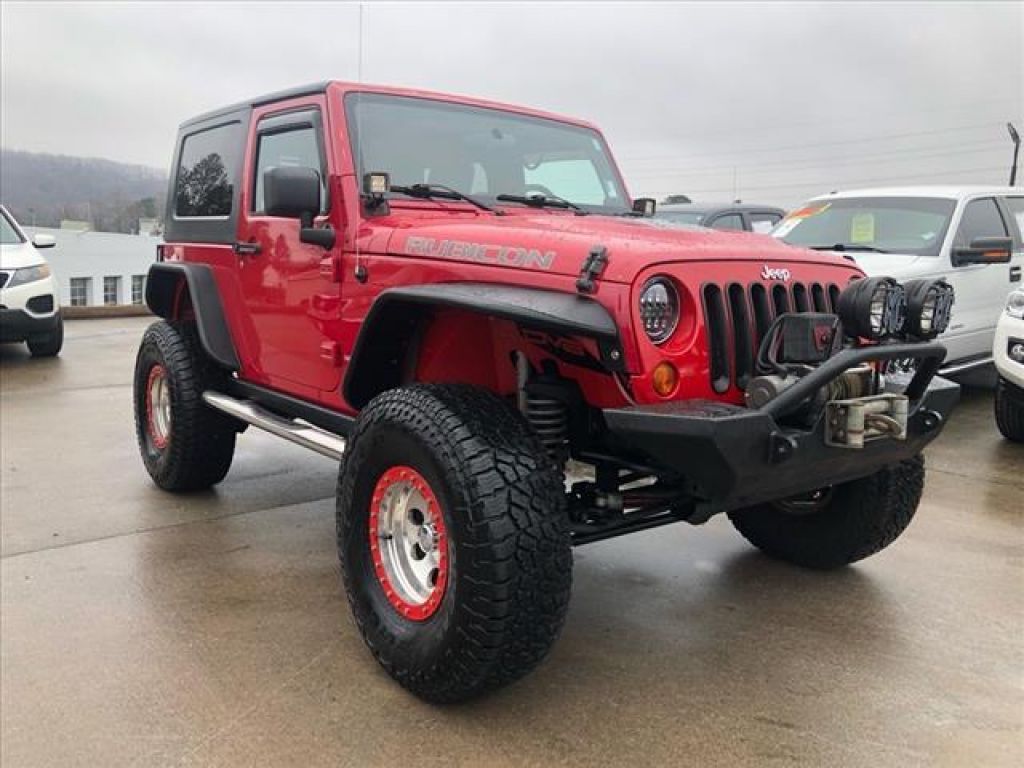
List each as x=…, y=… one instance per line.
x=872, y=308
x=659, y=309
x=929, y=307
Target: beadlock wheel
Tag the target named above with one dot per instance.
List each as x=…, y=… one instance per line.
x=409, y=543
x=158, y=407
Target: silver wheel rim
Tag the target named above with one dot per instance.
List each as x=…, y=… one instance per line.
x=409, y=542
x=160, y=406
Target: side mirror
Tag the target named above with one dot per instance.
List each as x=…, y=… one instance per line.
x=44, y=241
x=644, y=206
x=292, y=193
x=984, y=250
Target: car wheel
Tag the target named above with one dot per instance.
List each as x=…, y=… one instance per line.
x=833, y=527
x=453, y=540
x=50, y=344
x=1009, y=407
x=185, y=444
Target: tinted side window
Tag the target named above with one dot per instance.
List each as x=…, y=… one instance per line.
x=1016, y=206
x=203, y=186
x=763, y=223
x=728, y=221
x=981, y=219
x=295, y=148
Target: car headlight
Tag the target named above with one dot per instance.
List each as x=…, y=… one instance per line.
x=929, y=307
x=1015, y=304
x=659, y=309
x=872, y=308
x=29, y=275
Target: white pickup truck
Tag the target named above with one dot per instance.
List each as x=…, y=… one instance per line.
x=971, y=236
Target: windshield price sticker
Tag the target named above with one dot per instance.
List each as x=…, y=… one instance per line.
x=862, y=228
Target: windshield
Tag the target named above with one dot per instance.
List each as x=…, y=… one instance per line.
x=912, y=225
x=8, y=234
x=681, y=217
x=481, y=152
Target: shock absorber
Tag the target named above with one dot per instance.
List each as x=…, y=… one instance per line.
x=550, y=420
x=549, y=416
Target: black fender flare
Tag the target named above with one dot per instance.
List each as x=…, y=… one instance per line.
x=391, y=326
x=162, y=287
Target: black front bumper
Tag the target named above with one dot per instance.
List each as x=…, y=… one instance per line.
x=19, y=325
x=732, y=457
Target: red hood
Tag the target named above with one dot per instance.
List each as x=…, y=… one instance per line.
x=559, y=242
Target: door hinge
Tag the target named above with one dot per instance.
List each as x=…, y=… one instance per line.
x=330, y=268
x=331, y=352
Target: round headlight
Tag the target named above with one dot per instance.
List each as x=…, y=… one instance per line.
x=659, y=309
x=929, y=306
x=872, y=308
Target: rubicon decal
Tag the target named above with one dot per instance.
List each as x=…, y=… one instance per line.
x=775, y=273
x=502, y=255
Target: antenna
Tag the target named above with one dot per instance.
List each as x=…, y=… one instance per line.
x=1015, y=138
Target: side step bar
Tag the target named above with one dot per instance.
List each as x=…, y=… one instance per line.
x=298, y=432
x=968, y=365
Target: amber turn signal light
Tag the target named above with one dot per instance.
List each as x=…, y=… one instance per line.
x=665, y=379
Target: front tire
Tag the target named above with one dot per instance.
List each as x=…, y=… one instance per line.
x=185, y=444
x=50, y=344
x=854, y=521
x=1009, y=409
x=448, y=481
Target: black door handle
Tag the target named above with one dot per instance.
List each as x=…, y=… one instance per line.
x=1015, y=274
x=246, y=249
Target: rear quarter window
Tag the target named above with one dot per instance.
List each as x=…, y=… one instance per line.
x=204, y=184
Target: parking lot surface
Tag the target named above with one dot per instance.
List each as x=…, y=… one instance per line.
x=141, y=628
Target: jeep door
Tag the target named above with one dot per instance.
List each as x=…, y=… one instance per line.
x=980, y=288
x=292, y=304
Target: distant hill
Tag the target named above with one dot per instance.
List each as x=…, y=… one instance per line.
x=48, y=188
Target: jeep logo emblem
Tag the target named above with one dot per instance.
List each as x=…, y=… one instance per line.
x=775, y=273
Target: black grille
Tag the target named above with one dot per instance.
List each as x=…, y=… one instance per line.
x=737, y=317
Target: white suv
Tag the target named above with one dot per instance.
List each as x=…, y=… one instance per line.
x=1008, y=353
x=971, y=236
x=29, y=300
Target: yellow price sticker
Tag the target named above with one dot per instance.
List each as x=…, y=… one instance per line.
x=862, y=228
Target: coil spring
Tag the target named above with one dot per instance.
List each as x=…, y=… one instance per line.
x=550, y=420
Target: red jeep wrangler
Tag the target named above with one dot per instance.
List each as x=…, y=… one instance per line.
x=454, y=298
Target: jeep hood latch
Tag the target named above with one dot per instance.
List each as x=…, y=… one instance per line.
x=592, y=268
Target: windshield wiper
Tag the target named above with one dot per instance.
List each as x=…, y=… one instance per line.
x=543, y=201
x=846, y=247
x=427, y=191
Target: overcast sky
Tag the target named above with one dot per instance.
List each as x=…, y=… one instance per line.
x=773, y=102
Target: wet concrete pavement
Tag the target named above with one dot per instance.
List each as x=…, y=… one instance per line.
x=140, y=628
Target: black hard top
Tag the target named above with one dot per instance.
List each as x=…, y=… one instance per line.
x=268, y=98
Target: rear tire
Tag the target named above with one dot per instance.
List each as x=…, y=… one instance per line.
x=50, y=344
x=858, y=519
x=494, y=504
x=1009, y=409
x=185, y=444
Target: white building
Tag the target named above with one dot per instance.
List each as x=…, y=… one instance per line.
x=97, y=268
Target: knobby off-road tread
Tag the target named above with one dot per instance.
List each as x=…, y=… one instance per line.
x=512, y=566
x=1009, y=409
x=202, y=441
x=862, y=518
